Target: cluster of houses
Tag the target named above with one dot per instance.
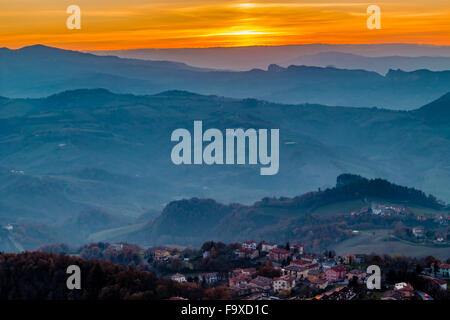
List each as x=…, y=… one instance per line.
x=443, y=220
x=298, y=270
x=163, y=255
x=419, y=234
x=209, y=278
x=401, y=291
x=383, y=210
x=388, y=210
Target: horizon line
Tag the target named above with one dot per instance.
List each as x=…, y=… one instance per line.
x=234, y=47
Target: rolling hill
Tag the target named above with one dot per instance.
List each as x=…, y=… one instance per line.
x=93, y=149
x=278, y=219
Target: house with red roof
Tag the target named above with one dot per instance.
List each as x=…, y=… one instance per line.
x=319, y=283
x=296, y=248
x=279, y=255
x=442, y=284
x=296, y=271
x=337, y=273
x=247, y=271
x=178, y=277
x=249, y=245
x=316, y=274
x=300, y=263
x=261, y=284
x=238, y=280
x=359, y=274
x=405, y=289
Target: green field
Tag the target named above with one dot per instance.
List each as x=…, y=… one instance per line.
x=341, y=208
x=367, y=242
x=117, y=234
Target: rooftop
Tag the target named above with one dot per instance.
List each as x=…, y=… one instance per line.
x=279, y=251
x=338, y=268
x=357, y=271
x=285, y=278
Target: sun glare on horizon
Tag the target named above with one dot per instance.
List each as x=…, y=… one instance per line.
x=201, y=23
x=246, y=5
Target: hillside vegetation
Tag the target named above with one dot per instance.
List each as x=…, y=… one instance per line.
x=282, y=219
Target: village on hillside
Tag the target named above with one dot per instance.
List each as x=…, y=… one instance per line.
x=273, y=272
x=262, y=270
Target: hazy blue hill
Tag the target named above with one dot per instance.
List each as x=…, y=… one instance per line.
x=25, y=235
x=77, y=228
x=185, y=221
x=437, y=112
x=36, y=198
x=272, y=219
x=54, y=198
x=87, y=149
x=39, y=71
x=148, y=216
x=48, y=55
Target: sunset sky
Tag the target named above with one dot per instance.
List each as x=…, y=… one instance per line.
x=120, y=24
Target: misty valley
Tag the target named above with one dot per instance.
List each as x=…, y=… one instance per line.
x=159, y=180
x=91, y=165
x=235, y=144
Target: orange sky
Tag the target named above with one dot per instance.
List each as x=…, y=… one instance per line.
x=123, y=24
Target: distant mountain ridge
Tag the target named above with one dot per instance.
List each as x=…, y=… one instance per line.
x=378, y=64
x=41, y=71
x=250, y=57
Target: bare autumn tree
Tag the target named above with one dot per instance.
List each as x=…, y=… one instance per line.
x=42, y=276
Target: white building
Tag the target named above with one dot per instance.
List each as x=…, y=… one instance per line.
x=283, y=283
x=249, y=245
x=266, y=246
x=178, y=277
